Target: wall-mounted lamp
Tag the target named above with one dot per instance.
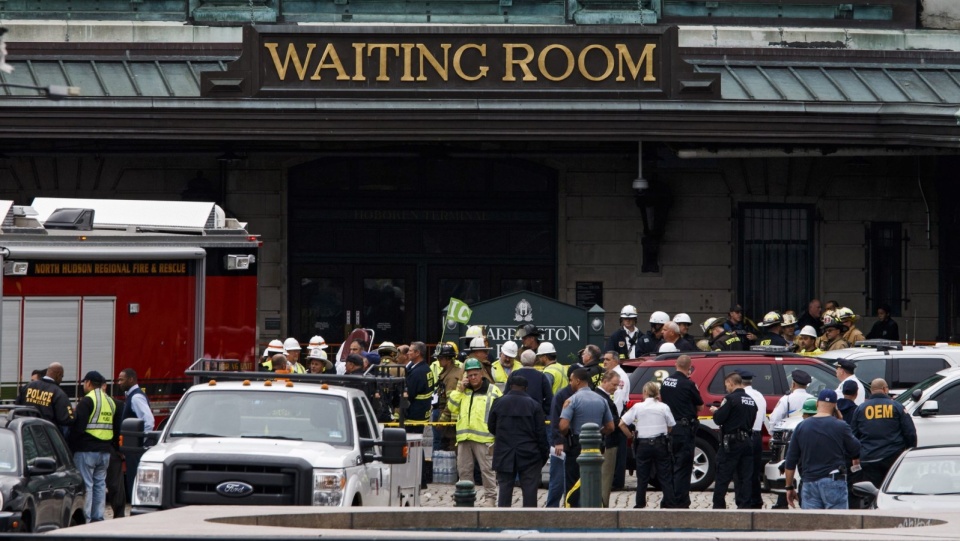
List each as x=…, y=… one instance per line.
x=654, y=201
x=133, y=308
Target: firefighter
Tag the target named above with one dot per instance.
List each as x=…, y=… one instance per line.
x=529, y=336
x=553, y=370
x=273, y=348
x=317, y=359
x=317, y=342
x=591, y=360
x=480, y=351
x=832, y=338
x=473, y=332
x=46, y=395
x=291, y=347
x=789, y=329
x=387, y=352
x=852, y=334
x=770, y=327
x=471, y=402
x=742, y=326
x=735, y=416
x=450, y=375
x=719, y=338
x=683, y=321
x=508, y=362
x=648, y=342
x=625, y=339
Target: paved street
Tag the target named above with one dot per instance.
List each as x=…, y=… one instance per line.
x=440, y=495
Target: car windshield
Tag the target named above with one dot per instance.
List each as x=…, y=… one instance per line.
x=8, y=452
x=929, y=475
x=907, y=396
x=263, y=415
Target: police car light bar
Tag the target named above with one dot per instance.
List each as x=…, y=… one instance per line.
x=770, y=349
x=879, y=344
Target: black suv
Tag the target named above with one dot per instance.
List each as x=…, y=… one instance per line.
x=40, y=488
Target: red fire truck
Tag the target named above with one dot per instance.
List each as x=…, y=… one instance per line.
x=105, y=285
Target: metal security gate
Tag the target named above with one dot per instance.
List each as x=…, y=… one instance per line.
x=776, y=257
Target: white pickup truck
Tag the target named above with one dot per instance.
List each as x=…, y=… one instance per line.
x=276, y=442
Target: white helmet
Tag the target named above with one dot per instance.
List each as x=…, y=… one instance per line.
x=291, y=344
x=668, y=347
x=711, y=323
x=509, y=348
x=808, y=331
x=317, y=353
x=682, y=318
x=478, y=344
x=473, y=331
x=546, y=348
x=659, y=318
x=628, y=312
x=317, y=342
x=275, y=346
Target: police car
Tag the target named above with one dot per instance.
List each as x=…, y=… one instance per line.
x=291, y=439
x=900, y=366
x=934, y=405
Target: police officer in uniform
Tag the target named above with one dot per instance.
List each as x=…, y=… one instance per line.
x=624, y=340
x=735, y=416
x=756, y=441
x=884, y=430
x=770, y=326
x=46, y=395
x=683, y=398
x=720, y=339
x=420, y=384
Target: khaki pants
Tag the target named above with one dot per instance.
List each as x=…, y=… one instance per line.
x=467, y=452
x=606, y=474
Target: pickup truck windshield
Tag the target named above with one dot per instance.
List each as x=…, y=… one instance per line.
x=263, y=414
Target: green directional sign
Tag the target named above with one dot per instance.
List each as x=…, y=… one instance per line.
x=569, y=328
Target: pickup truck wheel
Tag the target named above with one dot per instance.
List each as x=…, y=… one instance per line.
x=704, y=465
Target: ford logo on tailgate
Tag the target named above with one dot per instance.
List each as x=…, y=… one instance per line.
x=234, y=489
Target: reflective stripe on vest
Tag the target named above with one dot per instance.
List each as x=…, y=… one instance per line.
x=559, y=373
x=100, y=423
x=431, y=384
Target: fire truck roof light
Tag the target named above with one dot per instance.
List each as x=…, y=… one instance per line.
x=289, y=383
x=268, y=383
x=212, y=383
x=246, y=383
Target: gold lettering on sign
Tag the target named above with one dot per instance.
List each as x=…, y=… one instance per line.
x=358, y=61
x=291, y=55
x=542, y=61
x=407, y=61
x=330, y=52
x=582, y=62
x=646, y=55
x=384, y=48
x=444, y=70
x=523, y=62
x=458, y=56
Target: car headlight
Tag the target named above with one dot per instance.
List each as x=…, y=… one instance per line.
x=328, y=487
x=148, y=485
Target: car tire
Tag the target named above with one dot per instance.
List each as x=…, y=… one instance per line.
x=704, y=465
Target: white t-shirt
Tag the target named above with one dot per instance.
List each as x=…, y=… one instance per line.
x=622, y=393
x=650, y=417
x=861, y=392
x=790, y=405
x=761, y=406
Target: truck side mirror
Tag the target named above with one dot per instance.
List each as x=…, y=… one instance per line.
x=394, y=446
x=132, y=431
x=916, y=394
x=42, y=466
x=929, y=408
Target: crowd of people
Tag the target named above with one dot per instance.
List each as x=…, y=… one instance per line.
x=92, y=429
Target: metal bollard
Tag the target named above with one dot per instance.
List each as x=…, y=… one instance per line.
x=465, y=495
x=591, y=462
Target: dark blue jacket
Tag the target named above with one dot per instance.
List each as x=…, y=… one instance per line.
x=821, y=445
x=883, y=428
x=538, y=387
x=517, y=424
x=553, y=434
x=847, y=409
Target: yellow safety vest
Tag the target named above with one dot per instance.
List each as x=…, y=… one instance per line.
x=298, y=368
x=815, y=353
x=100, y=423
x=559, y=373
x=472, y=423
x=500, y=373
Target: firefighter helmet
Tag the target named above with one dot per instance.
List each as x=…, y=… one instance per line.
x=526, y=330
x=709, y=324
x=509, y=348
x=846, y=315
x=389, y=348
x=317, y=342
x=473, y=331
x=546, y=348
x=789, y=320
x=478, y=344
x=628, y=312
x=471, y=364
x=772, y=319
x=682, y=318
x=446, y=350
x=659, y=318
x=668, y=347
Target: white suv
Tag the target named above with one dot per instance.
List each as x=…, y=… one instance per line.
x=901, y=366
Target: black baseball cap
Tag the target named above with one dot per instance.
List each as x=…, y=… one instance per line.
x=94, y=377
x=850, y=387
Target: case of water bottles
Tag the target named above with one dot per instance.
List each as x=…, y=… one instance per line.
x=445, y=467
